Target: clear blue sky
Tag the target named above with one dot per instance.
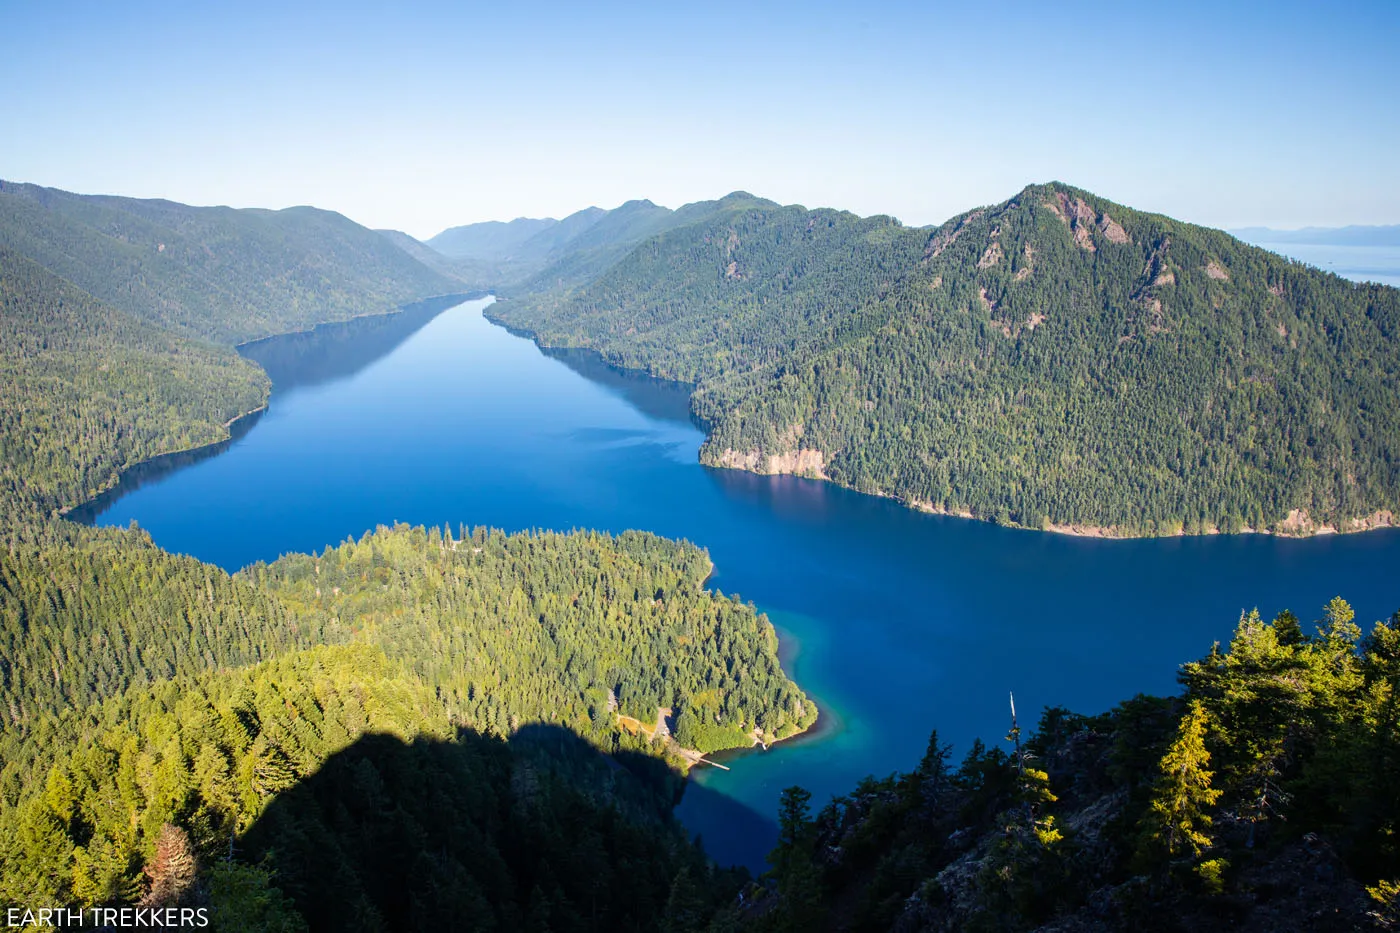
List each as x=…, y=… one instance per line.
x=421, y=116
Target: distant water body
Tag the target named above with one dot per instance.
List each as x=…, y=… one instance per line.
x=1380, y=264
x=894, y=620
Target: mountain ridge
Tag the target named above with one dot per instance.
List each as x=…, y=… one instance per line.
x=1069, y=302
x=216, y=273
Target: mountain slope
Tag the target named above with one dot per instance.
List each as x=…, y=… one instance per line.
x=422, y=252
x=492, y=240
x=1055, y=360
x=90, y=391
x=551, y=240
x=214, y=272
x=592, y=253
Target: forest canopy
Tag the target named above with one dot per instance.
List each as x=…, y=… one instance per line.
x=1056, y=360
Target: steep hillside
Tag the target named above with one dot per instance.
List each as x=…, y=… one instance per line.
x=214, y=272
x=421, y=252
x=327, y=790
x=1053, y=361
x=1262, y=799
x=384, y=665
x=90, y=391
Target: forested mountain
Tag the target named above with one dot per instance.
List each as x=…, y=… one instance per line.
x=429, y=728
x=214, y=272
x=1263, y=799
x=560, y=254
x=90, y=391
x=491, y=240
x=1053, y=361
x=430, y=257
x=553, y=239
x=608, y=241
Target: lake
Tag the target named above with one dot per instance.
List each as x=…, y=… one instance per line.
x=894, y=620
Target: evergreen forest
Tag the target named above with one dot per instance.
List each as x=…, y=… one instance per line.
x=1055, y=361
x=439, y=728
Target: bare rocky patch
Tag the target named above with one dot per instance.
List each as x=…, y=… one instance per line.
x=1216, y=271
x=1025, y=271
x=811, y=463
x=1078, y=216
x=991, y=257
x=799, y=462
x=1113, y=231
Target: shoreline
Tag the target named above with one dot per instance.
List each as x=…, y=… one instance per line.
x=748, y=463
x=694, y=757
x=156, y=459
x=463, y=296
x=828, y=724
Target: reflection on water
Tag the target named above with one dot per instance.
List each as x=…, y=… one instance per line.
x=337, y=351
x=901, y=621
x=307, y=358
x=652, y=397
x=157, y=468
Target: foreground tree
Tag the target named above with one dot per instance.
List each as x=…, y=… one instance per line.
x=1177, y=820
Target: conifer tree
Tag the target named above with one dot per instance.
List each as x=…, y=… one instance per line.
x=172, y=871
x=1177, y=818
x=686, y=907
x=799, y=881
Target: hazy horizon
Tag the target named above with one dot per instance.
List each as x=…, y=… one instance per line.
x=428, y=117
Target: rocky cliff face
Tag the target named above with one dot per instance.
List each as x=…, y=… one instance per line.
x=798, y=462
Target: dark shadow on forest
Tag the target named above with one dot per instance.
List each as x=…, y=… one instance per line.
x=476, y=832
x=335, y=351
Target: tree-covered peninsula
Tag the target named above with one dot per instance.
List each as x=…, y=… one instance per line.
x=1055, y=361
x=91, y=391
x=419, y=728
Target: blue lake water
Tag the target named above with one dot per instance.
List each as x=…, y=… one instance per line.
x=896, y=621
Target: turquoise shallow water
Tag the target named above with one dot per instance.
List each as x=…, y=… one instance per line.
x=894, y=620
